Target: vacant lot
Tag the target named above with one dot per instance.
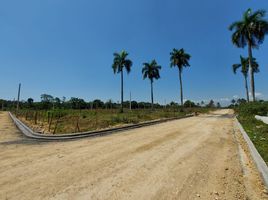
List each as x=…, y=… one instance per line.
x=70, y=121
x=194, y=158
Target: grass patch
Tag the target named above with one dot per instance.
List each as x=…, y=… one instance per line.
x=256, y=130
x=69, y=121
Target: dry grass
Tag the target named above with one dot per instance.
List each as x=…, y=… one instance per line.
x=69, y=121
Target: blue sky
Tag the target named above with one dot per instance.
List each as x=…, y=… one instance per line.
x=65, y=48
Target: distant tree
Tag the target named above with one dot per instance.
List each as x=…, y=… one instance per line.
x=2, y=104
x=244, y=64
x=46, y=101
x=189, y=104
x=202, y=103
x=151, y=71
x=173, y=104
x=233, y=101
x=211, y=104
x=30, y=102
x=180, y=59
x=97, y=103
x=134, y=105
x=57, y=102
x=250, y=31
x=109, y=104
x=119, y=63
x=46, y=98
x=218, y=105
x=77, y=103
x=241, y=101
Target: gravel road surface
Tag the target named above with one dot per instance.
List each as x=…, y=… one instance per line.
x=201, y=157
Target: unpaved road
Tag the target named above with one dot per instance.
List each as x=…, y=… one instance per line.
x=194, y=158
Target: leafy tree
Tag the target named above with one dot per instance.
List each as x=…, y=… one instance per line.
x=151, y=71
x=244, y=64
x=218, y=105
x=119, y=63
x=30, y=102
x=241, y=101
x=77, y=103
x=180, y=59
x=97, y=103
x=46, y=101
x=189, y=104
x=57, y=102
x=173, y=104
x=250, y=31
x=211, y=104
x=109, y=104
x=233, y=101
x=46, y=98
x=134, y=105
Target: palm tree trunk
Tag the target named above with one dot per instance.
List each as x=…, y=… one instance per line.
x=181, y=87
x=152, y=95
x=246, y=85
x=122, y=91
x=251, y=72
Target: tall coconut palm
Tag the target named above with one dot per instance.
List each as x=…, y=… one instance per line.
x=250, y=31
x=151, y=71
x=120, y=62
x=180, y=59
x=244, y=64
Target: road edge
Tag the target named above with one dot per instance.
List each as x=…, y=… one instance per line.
x=258, y=160
x=28, y=132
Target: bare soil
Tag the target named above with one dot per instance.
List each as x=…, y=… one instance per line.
x=202, y=157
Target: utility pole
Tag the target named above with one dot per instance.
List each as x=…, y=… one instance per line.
x=18, y=100
x=130, y=101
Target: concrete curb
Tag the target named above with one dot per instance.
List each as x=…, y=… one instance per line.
x=264, y=119
x=259, y=162
x=27, y=131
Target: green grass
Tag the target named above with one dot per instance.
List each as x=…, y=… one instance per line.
x=256, y=130
x=65, y=121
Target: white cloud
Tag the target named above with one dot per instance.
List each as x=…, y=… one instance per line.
x=257, y=94
x=224, y=99
x=235, y=96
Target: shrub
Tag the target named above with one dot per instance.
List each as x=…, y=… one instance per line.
x=253, y=108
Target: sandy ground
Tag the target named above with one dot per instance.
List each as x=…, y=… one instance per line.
x=194, y=158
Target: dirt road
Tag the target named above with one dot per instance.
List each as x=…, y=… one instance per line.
x=194, y=158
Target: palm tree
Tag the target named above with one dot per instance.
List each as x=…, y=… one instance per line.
x=180, y=59
x=120, y=62
x=244, y=64
x=250, y=31
x=151, y=71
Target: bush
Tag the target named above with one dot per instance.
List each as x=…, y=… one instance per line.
x=253, y=108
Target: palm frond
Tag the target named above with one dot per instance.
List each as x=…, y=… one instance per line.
x=151, y=70
x=121, y=62
x=235, y=67
x=250, y=30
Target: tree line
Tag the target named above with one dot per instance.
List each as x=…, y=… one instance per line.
x=48, y=102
